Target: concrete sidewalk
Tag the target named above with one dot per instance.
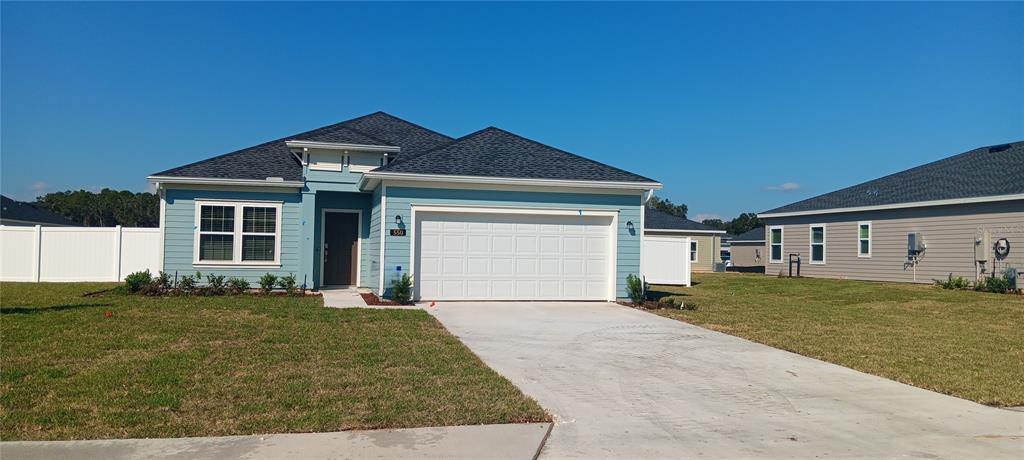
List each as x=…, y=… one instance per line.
x=512, y=441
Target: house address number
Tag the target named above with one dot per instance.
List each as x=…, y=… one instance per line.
x=397, y=232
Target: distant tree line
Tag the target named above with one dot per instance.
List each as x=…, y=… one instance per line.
x=104, y=209
x=741, y=224
x=667, y=206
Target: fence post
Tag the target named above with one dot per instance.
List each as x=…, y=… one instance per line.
x=38, y=251
x=117, y=253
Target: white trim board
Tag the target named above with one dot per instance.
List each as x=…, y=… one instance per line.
x=915, y=204
x=268, y=182
x=359, y=241
x=373, y=176
x=660, y=230
x=296, y=144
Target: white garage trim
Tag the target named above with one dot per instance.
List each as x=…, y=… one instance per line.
x=613, y=234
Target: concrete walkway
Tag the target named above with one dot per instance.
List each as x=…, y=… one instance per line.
x=628, y=384
x=342, y=298
x=515, y=441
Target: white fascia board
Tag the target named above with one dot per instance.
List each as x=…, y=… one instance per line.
x=746, y=241
x=340, y=146
x=666, y=230
x=216, y=181
x=371, y=177
x=914, y=204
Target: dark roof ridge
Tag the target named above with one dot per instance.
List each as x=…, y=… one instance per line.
x=403, y=120
x=567, y=153
x=951, y=158
x=403, y=157
x=282, y=139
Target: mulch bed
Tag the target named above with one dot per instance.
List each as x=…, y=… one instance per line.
x=648, y=305
x=372, y=299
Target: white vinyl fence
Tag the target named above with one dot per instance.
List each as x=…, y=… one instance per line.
x=77, y=253
x=666, y=260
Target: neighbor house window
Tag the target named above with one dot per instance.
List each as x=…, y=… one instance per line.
x=237, y=233
x=775, y=241
x=818, y=244
x=864, y=239
x=693, y=251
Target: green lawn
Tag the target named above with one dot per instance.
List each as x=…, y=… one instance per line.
x=170, y=367
x=962, y=343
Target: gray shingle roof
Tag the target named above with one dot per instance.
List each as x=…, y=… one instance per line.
x=18, y=210
x=986, y=171
x=493, y=152
x=273, y=159
x=660, y=220
x=756, y=234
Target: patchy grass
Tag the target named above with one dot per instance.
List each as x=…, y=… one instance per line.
x=963, y=343
x=203, y=366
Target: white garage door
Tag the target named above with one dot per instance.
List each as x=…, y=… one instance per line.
x=463, y=256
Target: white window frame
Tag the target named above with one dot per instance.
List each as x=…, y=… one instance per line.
x=782, y=247
x=811, y=243
x=694, y=250
x=236, y=247
x=871, y=236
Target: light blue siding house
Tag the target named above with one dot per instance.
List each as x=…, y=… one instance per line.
x=488, y=216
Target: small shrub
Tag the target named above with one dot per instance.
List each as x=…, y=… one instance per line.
x=153, y=289
x=237, y=286
x=401, y=289
x=288, y=284
x=136, y=281
x=187, y=285
x=994, y=283
x=635, y=289
x=164, y=280
x=215, y=284
x=954, y=282
x=267, y=282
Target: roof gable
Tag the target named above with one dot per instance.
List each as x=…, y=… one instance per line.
x=986, y=171
x=660, y=220
x=21, y=211
x=493, y=152
x=274, y=159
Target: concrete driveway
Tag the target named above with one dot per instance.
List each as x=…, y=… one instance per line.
x=627, y=384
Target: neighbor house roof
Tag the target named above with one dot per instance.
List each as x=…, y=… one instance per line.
x=992, y=171
x=660, y=220
x=753, y=236
x=24, y=212
x=494, y=152
x=274, y=159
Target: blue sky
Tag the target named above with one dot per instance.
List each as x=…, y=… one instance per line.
x=734, y=107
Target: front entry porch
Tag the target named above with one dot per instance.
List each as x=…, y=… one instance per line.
x=338, y=226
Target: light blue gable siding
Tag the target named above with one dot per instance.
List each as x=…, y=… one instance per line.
x=179, y=233
x=342, y=200
x=400, y=200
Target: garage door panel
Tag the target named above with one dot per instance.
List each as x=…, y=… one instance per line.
x=512, y=257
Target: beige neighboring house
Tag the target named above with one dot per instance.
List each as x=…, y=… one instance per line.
x=19, y=213
x=705, y=240
x=748, y=251
x=962, y=215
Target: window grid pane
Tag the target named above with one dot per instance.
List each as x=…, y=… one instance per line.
x=216, y=247
x=818, y=252
x=817, y=235
x=864, y=246
x=864, y=232
x=776, y=252
x=776, y=236
x=259, y=220
x=257, y=247
x=217, y=219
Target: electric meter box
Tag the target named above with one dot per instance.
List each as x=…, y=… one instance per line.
x=915, y=244
x=982, y=246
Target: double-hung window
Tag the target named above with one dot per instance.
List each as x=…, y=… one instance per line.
x=693, y=251
x=775, y=242
x=237, y=233
x=818, y=243
x=863, y=239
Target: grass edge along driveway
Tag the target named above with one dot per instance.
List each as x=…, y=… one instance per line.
x=961, y=343
x=210, y=366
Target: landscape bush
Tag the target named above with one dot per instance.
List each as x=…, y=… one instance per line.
x=237, y=286
x=288, y=284
x=401, y=289
x=994, y=283
x=267, y=282
x=635, y=289
x=136, y=282
x=954, y=282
